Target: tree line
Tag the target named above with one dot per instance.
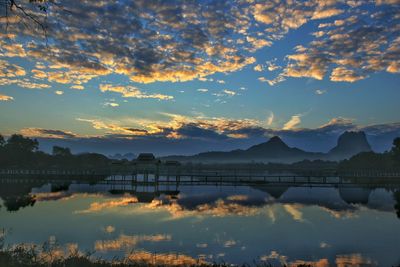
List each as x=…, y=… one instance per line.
x=23, y=152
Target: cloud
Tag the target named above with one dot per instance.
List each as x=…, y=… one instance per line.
x=272, y=82
x=10, y=70
x=111, y=104
x=230, y=243
x=100, y=206
x=320, y=92
x=355, y=259
x=164, y=259
x=169, y=42
x=25, y=83
x=127, y=242
x=217, y=208
x=326, y=13
x=294, y=211
x=46, y=133
x=109, y=229
x=270, y=119
x=202, y=90
x=342, y=74
x=258, y=67
x=271, y=65
x=113, y=127
x=229, y=92
x=77, y=87
x=178, y=134
x=294, y=121
x=145, y=41
x=6, y=98
x=351, y=48
x=131, y=91
x=387, y=2
x=58, y=92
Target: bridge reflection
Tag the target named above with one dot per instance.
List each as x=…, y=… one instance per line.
x=21, y=193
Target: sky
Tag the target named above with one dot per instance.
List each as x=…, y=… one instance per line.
x=182, y=77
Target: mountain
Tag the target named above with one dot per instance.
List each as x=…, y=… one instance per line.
x=127, y=156
x=275, y=150
x=349, y=144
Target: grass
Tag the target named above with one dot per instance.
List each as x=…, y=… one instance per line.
x=32, y=256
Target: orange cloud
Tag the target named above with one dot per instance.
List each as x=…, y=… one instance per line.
x=6, y=98
x=164, y=259
x=99, y=206
x=128, y=242
x=131, y=91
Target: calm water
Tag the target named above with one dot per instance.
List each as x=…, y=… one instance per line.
x=325, y=226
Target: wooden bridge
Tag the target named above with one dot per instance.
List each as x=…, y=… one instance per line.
x=141, y=177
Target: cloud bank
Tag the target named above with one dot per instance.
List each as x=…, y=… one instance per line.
x=175, y=41
x=188, y=135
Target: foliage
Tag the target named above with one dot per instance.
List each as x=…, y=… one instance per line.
x=2, y=141
x=372, y=160
x=22, y=144
x=24, y=256
x=368, y=160
x=397, y=205
x=61, y=151
x=22, y=152
x=396, y=149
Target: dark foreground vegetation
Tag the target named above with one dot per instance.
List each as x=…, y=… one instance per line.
x=22, y=152
x=51, y=256
x=20, y=256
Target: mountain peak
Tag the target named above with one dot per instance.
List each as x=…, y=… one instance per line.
x=350, y=144
x=275, y=140
x=273, y=145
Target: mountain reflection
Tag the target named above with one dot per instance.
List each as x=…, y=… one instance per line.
x=206, y=200
x=188, y=224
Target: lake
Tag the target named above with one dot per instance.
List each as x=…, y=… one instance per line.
x=325, y=226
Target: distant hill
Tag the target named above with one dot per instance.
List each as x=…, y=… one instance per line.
x=275, y=150
x=127, y=156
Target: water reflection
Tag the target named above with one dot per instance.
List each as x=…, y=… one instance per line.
x=189, y=224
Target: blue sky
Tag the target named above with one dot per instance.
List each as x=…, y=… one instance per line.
x=179, y=72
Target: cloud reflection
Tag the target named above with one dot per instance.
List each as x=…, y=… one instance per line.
x=127, y=242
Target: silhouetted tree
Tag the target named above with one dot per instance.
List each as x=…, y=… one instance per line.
x=26, y=10
x=21, y=144
x=17, y=202
x=397, y=204
x=18, y=150
x=61, y=151
x=367, y=160
x=396, y=149
x=2, y=141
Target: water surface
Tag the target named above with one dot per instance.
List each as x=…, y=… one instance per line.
x=349, y=226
